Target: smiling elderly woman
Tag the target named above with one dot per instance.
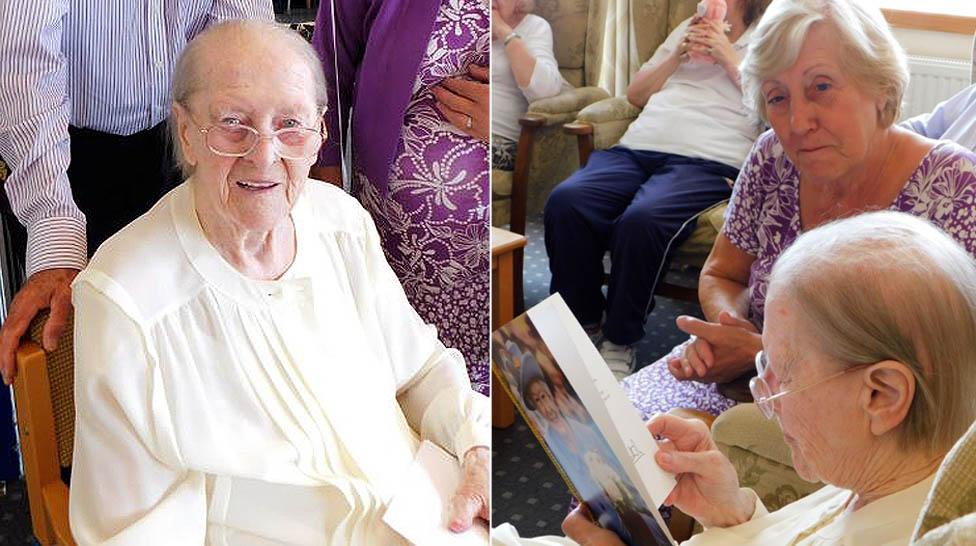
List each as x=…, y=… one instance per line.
x=248, y=370
x=870, y=345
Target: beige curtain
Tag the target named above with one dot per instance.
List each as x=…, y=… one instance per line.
x=615, y=49
x=627, y=33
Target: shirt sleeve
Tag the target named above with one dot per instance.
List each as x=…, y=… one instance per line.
x=432, y=381
x=340, y=60
x=34, y=142
x=948, y=112
x=127, y=486
x=546, y=80
x=237, y=9
x=742, y=218
x=669, y=44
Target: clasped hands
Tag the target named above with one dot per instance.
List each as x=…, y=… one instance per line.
x=707, y=486
x=718, y=352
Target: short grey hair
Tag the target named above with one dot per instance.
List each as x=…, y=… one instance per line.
x=187, y=78
x=871, y=55
x=891, y=286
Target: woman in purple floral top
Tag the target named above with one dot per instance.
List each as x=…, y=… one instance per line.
x=832, y=152
x=400, y=73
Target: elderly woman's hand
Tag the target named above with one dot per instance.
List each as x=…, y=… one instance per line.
x=720, y=352
x=708, y=487
x=579, y=527
x=471, y=499
x=465, y=102
x=708, y=37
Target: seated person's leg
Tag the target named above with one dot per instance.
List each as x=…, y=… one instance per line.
x=578, y=218
x=656, y=223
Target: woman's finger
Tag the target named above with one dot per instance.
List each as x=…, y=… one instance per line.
x=464, y=508
x=453, y=100
x=694, y=360
x=478, y=72
x=704, y=349
x=465, y=88
x=457, y=119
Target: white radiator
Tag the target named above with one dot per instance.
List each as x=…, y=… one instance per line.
x=933, y=81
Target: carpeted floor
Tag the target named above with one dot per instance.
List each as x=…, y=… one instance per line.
x=15, y=525
x=526, y=490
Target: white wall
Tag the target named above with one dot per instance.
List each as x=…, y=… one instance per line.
x=935, y=44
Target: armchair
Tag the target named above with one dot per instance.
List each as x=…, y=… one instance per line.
x=601, y=124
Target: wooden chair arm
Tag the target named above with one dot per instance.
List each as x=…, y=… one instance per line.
x=578, y=128
x=584, y=139
x=56, y=504
x=533, y=121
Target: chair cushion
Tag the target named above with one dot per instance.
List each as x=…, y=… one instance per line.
x=959, y=532
x=695, y=249
x=762, y=459
x=953, y=493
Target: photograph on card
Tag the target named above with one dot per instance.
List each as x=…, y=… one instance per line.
x=560, y=420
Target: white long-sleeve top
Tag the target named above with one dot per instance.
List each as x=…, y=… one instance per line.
x=217, y=409
x=508, y=100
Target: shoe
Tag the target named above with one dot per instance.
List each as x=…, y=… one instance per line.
x=594, y=332
x=621, y=359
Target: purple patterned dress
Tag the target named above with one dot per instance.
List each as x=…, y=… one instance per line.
x=763, y=219
x=424, y=182
x=434, y=216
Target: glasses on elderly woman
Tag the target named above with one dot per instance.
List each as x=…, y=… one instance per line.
x=238, y=140
x=763, y=395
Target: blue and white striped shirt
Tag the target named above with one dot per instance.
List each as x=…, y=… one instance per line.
x=98, y=64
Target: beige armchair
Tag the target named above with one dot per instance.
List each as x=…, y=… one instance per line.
x=602, y=124
x=545, y=155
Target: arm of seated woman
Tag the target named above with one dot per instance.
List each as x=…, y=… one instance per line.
x=126, y=486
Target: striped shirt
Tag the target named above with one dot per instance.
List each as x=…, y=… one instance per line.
x=97, y=64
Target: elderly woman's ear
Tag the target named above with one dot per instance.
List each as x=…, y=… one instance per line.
x=889, y=388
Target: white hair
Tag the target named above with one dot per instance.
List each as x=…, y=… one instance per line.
x=231, y=36
x=891, y=286
x=870, y=54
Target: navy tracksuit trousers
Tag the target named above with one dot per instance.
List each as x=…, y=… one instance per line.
x=640, y=206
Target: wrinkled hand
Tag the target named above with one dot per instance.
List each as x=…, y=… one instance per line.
x=462, y=101
x=499, y=28
x=707, y=485
x=720, y=352
x=709, y=38
x=471, y=499
x=579, y=527
x=50, y=288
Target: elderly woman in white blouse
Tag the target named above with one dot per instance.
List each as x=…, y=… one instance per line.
x=523, y=70
x=248, y=370
x=870, y=344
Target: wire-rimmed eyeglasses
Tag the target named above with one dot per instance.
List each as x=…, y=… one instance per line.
x=239, y=140
x=763, y=394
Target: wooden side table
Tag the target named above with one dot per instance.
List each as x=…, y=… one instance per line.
x=504, y=245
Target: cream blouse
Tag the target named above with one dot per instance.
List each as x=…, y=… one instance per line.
x=822, y=518
x=217, y=409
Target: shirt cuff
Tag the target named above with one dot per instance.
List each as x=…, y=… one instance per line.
x=57, y=242
x=476, y=430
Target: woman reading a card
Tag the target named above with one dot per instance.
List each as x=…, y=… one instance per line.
x=869, y=346
x=248, y=369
